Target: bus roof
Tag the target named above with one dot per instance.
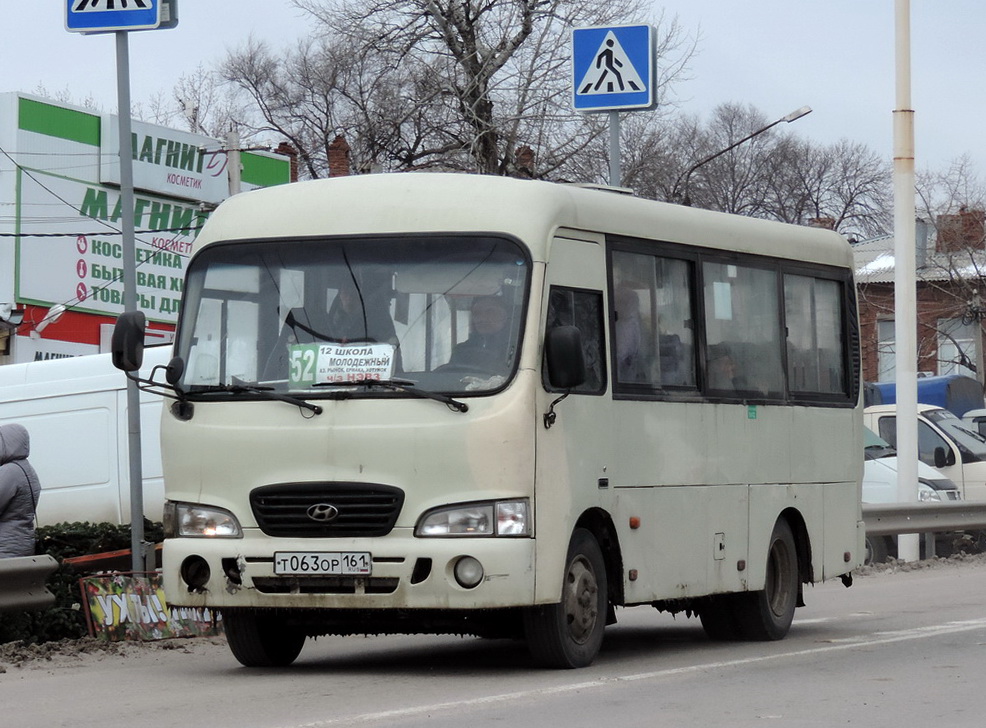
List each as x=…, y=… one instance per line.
x=533, y=211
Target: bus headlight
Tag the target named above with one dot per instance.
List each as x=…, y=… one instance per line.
x=488, y=518
x=197, y=521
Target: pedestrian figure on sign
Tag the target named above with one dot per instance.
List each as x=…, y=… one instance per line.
x=606, y=56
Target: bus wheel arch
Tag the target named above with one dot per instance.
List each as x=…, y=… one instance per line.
x=600, y=525
x=802, y=542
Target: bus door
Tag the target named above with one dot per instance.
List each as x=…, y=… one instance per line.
x=573, y=451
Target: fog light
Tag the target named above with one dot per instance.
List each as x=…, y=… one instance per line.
x=468, y=572
x=195, y=572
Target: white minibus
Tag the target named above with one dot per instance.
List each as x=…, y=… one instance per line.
x=439, y=403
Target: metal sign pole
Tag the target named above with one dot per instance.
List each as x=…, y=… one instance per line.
x=130, y=295
x=615, y=172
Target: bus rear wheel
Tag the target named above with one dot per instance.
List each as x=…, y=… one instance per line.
x=569, y=634
x=767, y=614
x=257, y=639
x=718, y=617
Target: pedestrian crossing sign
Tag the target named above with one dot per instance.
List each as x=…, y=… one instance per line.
x=105, y=16
x=613, y=68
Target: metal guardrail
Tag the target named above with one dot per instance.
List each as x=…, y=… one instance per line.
x=22, y=583
x=22, y=579
x=886, y=519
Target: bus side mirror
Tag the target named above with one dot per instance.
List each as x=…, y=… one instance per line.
x=564, y=357
x=127, y=343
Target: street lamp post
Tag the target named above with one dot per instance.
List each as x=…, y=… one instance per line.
x=683, y=181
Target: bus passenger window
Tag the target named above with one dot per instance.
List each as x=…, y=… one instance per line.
x=742, y=320
x=815, y=346
x=652, y=321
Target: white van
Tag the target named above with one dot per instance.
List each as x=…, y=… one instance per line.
x=945, y=442
x=880, y=486
x=76, y=413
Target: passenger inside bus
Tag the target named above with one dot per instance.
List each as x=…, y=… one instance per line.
x=486, y=348
x=723, y=373
x=629, y=367
x=358, y=316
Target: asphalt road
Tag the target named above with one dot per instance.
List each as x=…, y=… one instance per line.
x=897, y=649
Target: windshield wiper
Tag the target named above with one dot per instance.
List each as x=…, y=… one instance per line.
x=402, y=385
x=238, y=387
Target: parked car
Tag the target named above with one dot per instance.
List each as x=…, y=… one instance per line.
x=880, y=486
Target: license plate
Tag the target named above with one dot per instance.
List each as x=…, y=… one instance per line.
x=323, y=563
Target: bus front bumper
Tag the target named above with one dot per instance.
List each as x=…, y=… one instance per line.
x=405, y=573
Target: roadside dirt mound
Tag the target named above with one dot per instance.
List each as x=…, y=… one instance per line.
x=895, y=565
x=20, y=654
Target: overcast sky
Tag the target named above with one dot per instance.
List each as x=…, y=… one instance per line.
x=836, y=56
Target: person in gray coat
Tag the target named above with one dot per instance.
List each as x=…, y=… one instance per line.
x=19, y=492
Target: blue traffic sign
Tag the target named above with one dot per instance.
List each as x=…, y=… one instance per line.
x=103, y=16
x=613, y=68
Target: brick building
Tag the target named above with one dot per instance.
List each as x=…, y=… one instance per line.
x=950, y=268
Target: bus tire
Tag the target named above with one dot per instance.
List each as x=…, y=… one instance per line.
x=878, y=549
x=569, y=634
x=767, y=614
x=261, y=640
x=719, y=618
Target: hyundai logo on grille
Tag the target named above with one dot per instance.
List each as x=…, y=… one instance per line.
x=322, y=512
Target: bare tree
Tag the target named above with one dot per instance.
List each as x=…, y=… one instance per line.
x=845, y=183
x=453, y=84
x=65, y=96
x=774, y=175
x=199, y=102
x=946, y=191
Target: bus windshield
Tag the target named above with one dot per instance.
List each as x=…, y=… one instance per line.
x=320, y=316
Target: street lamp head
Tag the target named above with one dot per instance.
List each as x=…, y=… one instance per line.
x=684, y=179
x=795, y=115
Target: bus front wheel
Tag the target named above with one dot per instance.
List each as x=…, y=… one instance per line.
x=257, y=639
x=569, y=634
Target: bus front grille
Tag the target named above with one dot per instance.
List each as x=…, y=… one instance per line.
x=326, y=510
